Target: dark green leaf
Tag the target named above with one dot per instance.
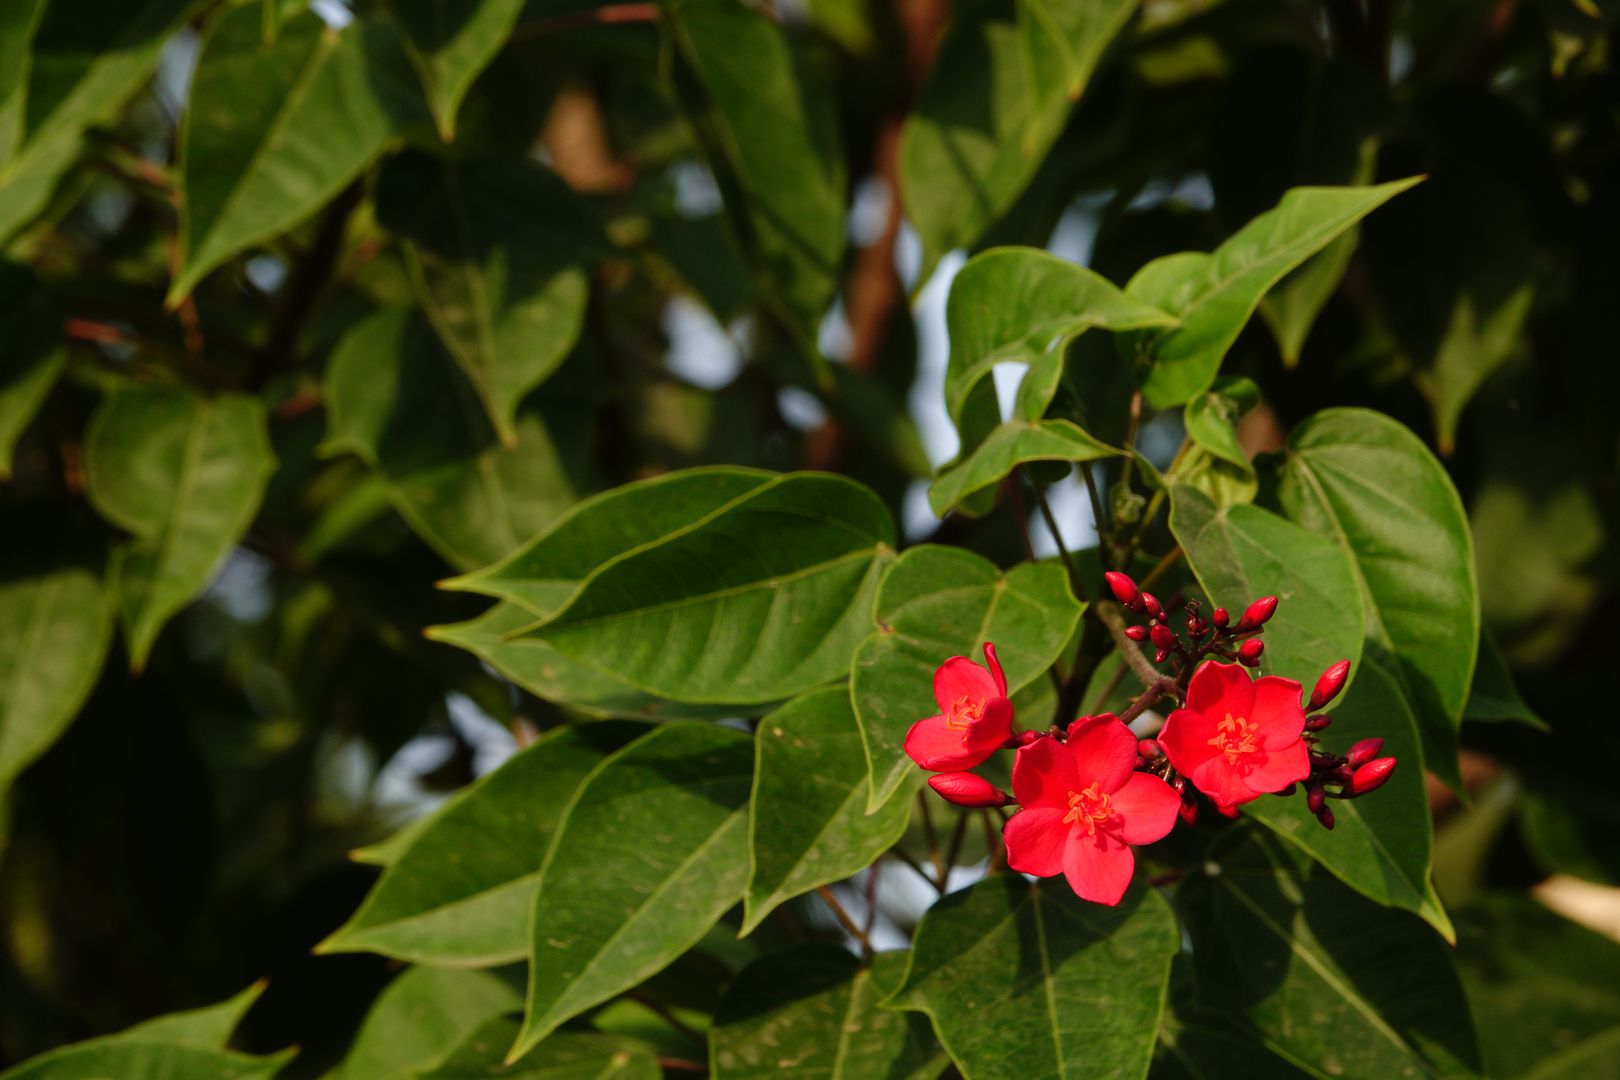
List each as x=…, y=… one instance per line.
x=650, y=853
x=807, y=819
x=565, y=1055
x=31, y=342
x=1364, y=482
x=811, y=1011
x=487, y=245
x=185, y=475
x=461, y=893
x=149, y=1059
x=1494, y=696
x=1027, y=980
x=1213, y=295
x=396, y=399
x=450, y=42
x=762, y=599
x=938, y=602
x=210, y=1026
x=420, y=1018
x=1009, y=445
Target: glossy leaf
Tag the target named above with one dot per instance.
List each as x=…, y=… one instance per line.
x=807, y=819
x=1215, y=462
x=1361, y=480
x=185, y=475
x=938, y=602
x=30, y=341
x=543, y=573
x=811, y=1010
x=770, y=133
x=396, y=399
x=26, y=185
x=565, y=1055
x=272, y=132
x=650, y=853
x=1241, y=553
x=1025, y=980
x=150, y=1059
x=999, y=92
x=487, y=242
x=450, y=42
x=789, y=573
x=462, y=891
x=1322, y=976
x=1009, y=445
x=210, y=1026
x=1380, y=845
x=420, y=1018
x=1213, y=295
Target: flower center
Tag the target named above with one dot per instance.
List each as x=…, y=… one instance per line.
x=963, y=712
x=1235, y=737
x=1089, y=808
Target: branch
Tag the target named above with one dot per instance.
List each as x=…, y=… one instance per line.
x=1113, y=617
x=601, y=16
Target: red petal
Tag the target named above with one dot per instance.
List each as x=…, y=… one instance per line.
x=1104, y=751
x=1278, y=712
x=994, y=663
x=1035, y=838
x=1043, y=774
x=1218, y=689
x=1147, y=808
x=936, y=746
x=1099, y=867
x=1278, y=769
x=1222, y=782
x=960, y=677
x=1185, y=740
x=986, y=734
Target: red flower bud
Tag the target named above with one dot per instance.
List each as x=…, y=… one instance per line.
x=1249, y=652
x=1022, y=738
x=1160, y=656
x=1124, y=589
x=1329, y=685
x=1188, y=812
x=1151, y=603
x=1315, y=799
x=967, y=789
x=1318, y=723
x=1148, y=749
x=1136, y=633
x=1363, y=752
x=1259, y=611
x=1163, y=638
x=1196, y=626
x=1371, y=776
x=1325, y=816
x=1179, y=785
x=1220, y=618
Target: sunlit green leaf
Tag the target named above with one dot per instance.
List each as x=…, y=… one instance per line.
x=565, y=1055
x=1215, y=462
x=420, y=1018
x=1009, y=445
x=450, y=42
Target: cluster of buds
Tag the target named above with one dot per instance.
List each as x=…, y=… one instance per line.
x=1087, y=793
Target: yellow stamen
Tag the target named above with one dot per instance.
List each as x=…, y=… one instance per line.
x=1089, y=808
x=1235, y=737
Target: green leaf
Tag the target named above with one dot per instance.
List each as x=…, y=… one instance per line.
x=1380, y=845
x=807, y=820
x=55, y=625
x=31, y=342
x=17, y=23
x=1494, y=696
x=770, y=133
x=1009, y=445
x=420, y=1018
x=1366, y=483
x=26, y=186
x=486, y=242
x=547, y=570
x=1213, y=295
x=1241, y=553
x=1027, y=980
x=185, y=475
x=1007, y=75
x=787, y=576
x=937, y=602
x=650, y=853
x=149, y=1059
x=210, y=1026
x=1215, y=462
x=396, y=400
x=1527, y=971
x=811, y=1010
x=462, y=891
x=1326, y=979
x=566, y=1055
x=274, y=131
x=450, y=42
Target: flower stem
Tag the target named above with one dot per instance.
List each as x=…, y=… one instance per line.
x=1104, y=544
x=957, y=835
x=934, y=855
x=830, y=898
x=1114, y=619
x=1057, y=537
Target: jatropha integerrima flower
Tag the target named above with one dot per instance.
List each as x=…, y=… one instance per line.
x=1086, y=793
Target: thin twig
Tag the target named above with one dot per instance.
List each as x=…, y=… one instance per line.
x=871, y=907
x=1170, y=559
x=1108, y=691
x=1057, y=537
x=843, y=917
x=934, y=855
x=954, y=851
x=915, y=866
x=993, y=841
x=601, y=16
x=682, y=1065
x=1104, y=544
x=1114, y=619
x=664, y=1013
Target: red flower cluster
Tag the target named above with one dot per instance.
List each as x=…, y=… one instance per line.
x=1088, y=793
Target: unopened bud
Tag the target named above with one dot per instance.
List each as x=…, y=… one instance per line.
x=1188, y=812
x=1163, y=637
x=1329, y=685
x=1363, y=752
x=1371, y=776
x=1124, y=589
x=1160, y=656
x=1196, y=626
x=1136, y=633
x=1179, y=785
x=1288, y=791
x=1315, y=799
x=1259, y=611
x=1020, y=739
x=967, y=789
x=1318, y=723
x=1148, y=748
x=1325, y=816
x=1152, y=605
x=1220, y=618
x=1249, y=652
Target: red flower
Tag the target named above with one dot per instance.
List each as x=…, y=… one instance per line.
x=1084, y=803
x=975, y=716
x=1235, y=739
